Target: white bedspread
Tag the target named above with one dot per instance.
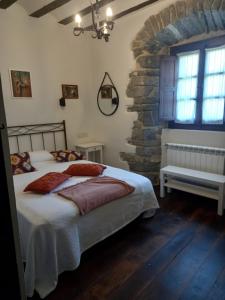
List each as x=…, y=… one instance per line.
x=53, y=234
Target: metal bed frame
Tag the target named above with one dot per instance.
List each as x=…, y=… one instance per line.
x=15, y=132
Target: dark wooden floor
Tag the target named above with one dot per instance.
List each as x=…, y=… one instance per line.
x=179, y=254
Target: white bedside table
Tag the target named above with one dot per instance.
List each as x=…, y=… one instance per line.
x=93, y=149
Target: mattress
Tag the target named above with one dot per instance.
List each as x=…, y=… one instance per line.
x=53, y=235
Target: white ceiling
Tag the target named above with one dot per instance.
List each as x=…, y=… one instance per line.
x=74, y=6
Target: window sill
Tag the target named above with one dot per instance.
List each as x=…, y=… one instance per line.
x=173, y=125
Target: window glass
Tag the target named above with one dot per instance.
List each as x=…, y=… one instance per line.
x=188, y=65
x=214, y=86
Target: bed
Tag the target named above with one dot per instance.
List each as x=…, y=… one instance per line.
x=53, y=234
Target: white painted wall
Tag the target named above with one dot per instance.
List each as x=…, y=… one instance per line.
x=53, y=56
x=192, y=137
x=117, y=58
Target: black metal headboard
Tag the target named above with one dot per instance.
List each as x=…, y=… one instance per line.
x=42, y=130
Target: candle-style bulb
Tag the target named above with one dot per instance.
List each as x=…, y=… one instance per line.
x=109, y=14
x=78, y=20
x=105, y=29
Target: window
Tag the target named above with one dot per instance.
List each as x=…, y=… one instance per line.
x=214, y=86
x=187, y=86
x=199, y=85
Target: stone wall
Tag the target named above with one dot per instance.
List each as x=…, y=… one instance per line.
x=178, y=22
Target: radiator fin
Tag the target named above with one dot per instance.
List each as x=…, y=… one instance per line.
x=208, y=159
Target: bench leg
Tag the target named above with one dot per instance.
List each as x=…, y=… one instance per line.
x=169, y=190
x=162, y=188
x=221, y=200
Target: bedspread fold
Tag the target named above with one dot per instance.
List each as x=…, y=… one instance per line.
x=96, y=192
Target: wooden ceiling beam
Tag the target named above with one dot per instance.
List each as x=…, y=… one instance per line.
x=84, y=12
x=48, y=8
x=6, y=3
x=129, y=11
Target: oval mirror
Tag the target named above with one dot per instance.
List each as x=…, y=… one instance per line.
x=108, y=98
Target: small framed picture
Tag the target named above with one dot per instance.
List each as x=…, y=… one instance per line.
x=106, y=92
x=21, y=84
x=70, y=91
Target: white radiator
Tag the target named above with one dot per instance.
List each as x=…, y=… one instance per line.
x=208, y=159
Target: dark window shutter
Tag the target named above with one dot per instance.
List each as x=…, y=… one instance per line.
x=167, y=88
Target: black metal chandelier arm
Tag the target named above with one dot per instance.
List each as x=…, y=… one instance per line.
x=99, y=29
x=110, y=25
x=77, y=31
x=107, y=24
x=93, y=19
x=94, y=36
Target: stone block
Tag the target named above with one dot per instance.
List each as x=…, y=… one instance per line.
x=149, y=61
x=196, y=9
x=154, y=46
x=145, y=100
x=154, y=24
x=144, y=166
x=216, y=4
x=144, y=80
x=154, y=93
x=137, y=52
x=218, y=20
x=144, y=35
x=184, y=32
x=210, y=21
x=148, y=151
x=147, y=72
x=143, y=107
x=146, y=133
x=137, y=44
x=178, y=35
x=149, y=118
x=141, y=163
x=181, y=9
x=166, y=37
x=149, y=28
x=222, y=14
x=168, y=15
x=145, y=143
x=193, y=24
x=139, y=91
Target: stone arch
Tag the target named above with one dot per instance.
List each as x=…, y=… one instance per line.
x=178, y=22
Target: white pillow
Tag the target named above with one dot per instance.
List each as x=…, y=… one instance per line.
x=39, y=156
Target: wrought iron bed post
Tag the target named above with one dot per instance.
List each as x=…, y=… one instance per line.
x=65, y=136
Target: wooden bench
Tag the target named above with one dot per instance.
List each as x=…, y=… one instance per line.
x=205, y=184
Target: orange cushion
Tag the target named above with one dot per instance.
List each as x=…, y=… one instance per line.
x=85, y=170
x=47, y=183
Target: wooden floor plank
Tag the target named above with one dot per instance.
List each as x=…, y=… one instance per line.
x=160, y=261
x=135, y=256
x=218, y=289
x=180, y=250
x=206, y=276
x=135, y=234
x=171, y=282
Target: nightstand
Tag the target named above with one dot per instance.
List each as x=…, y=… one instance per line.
x=92, y=151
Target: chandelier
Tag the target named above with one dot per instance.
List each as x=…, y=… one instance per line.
x=100, y=29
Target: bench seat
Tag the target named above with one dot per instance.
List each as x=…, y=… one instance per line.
x=205, y=184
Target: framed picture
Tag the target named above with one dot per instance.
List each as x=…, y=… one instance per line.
x=106, y=92
x=70, y=91
x=21, y=84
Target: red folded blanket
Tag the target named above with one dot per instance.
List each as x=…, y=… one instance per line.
x=96, y=192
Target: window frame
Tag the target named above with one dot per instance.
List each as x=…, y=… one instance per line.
x=201, y=46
